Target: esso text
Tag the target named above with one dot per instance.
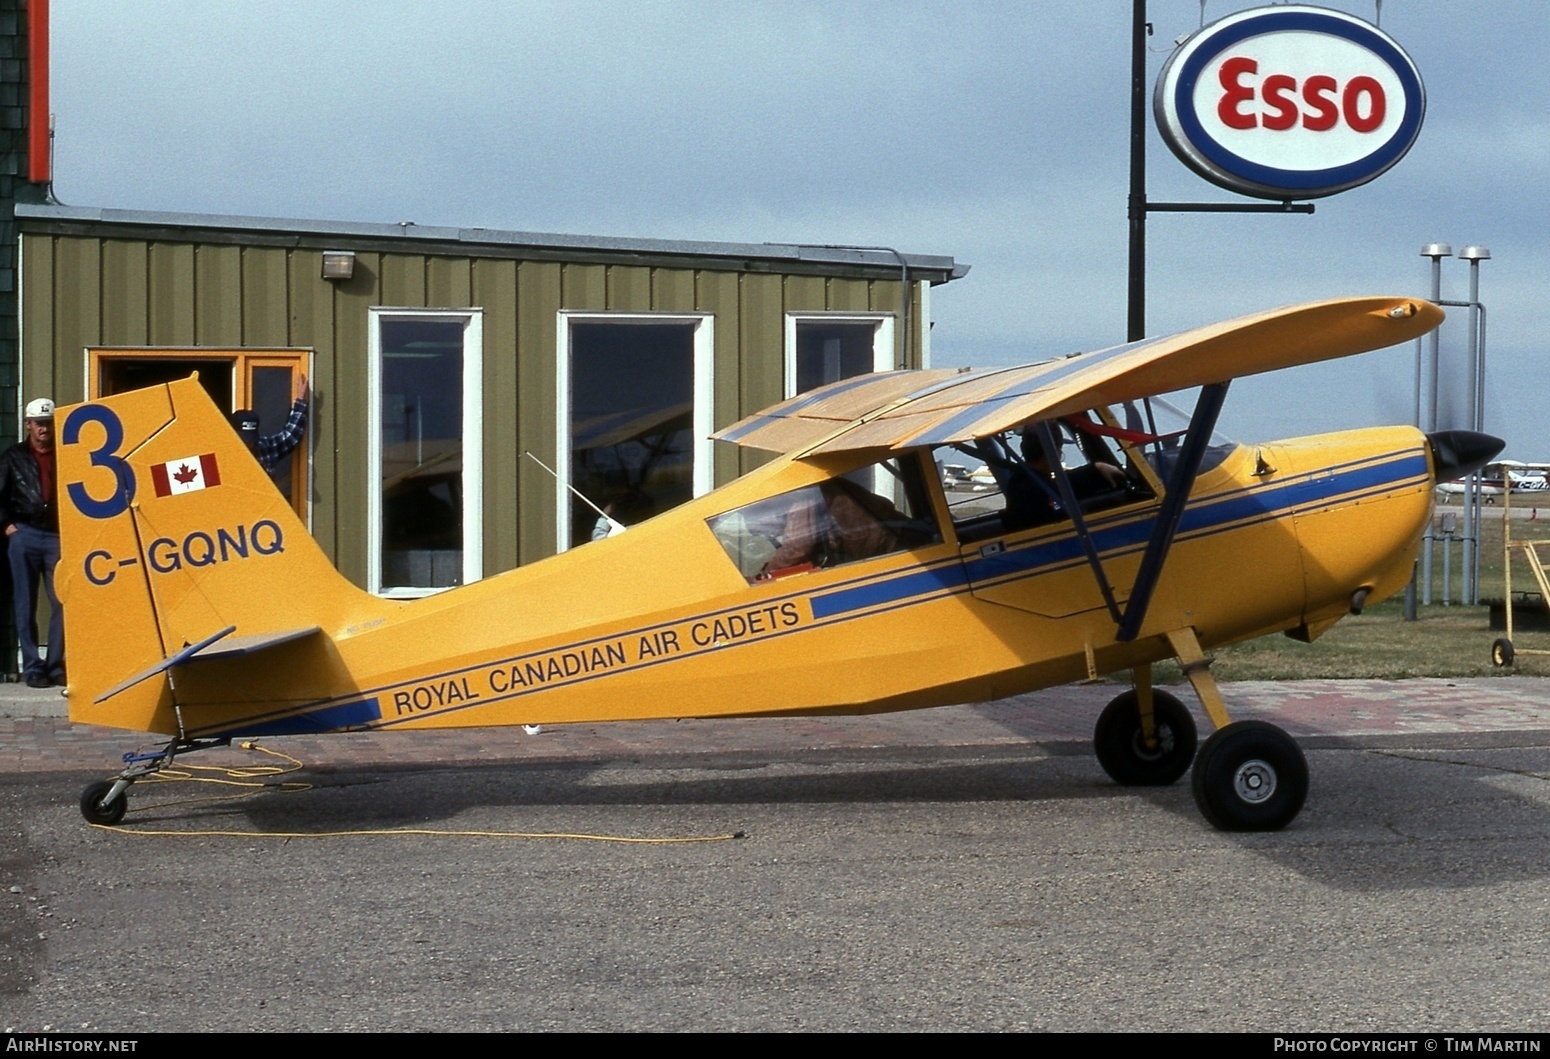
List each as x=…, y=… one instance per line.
x=1279, y=101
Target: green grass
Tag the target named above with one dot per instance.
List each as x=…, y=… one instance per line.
x=1377, y=644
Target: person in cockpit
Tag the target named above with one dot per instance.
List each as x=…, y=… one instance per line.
x=1028, y=482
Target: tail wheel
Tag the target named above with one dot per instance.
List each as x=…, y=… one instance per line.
x=1501, y=652
x=1121, y=745
x=1250, y=776
x=97, y=810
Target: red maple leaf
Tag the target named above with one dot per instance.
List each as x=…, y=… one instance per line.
x=185, y=474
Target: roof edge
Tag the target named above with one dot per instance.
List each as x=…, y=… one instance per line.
x=441, y=239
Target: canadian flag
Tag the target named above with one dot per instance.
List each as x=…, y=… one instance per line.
x=186, y=475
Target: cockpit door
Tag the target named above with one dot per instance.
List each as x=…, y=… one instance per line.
x=1045, y=569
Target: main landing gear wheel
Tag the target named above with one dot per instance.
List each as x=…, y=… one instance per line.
x=97, y=809
x=1250, y=776
x=1122, y=751
x=1501, y=652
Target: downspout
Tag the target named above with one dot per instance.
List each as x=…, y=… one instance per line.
x=904, y=294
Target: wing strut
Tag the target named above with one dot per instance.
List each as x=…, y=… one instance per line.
x=1068, y=498
x=1207, y=408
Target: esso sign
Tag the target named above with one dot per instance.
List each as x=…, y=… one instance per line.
x=1289, y=102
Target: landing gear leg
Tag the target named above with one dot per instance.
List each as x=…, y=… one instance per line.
x=106, y=801
x=1250, y=775
x=1145, y=737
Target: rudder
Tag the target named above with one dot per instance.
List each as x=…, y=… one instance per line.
x=171, y=532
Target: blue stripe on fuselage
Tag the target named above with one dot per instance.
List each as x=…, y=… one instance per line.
x=1204, y=516
x=328, y=719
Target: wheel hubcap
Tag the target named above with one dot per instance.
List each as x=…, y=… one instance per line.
x=1255, y=781
x=1163, y=748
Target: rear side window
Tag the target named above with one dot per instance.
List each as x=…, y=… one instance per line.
x=877, y=510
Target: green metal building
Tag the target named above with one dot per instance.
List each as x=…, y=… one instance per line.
x=440, y=357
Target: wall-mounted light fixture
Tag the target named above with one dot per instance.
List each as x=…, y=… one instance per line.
x=338, y=264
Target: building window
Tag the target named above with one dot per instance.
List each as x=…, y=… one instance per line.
x=634, y=393
x=827, y=347
x=424, y=510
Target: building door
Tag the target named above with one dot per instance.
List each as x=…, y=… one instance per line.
x=258, y=379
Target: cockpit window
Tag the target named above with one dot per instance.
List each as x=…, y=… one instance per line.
x=1014, y=488
x=1164, y=427
x=874, y=511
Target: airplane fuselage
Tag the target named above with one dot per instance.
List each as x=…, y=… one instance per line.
x=1276, y=537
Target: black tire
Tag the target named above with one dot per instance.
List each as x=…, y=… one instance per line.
x=1250, y=776
x=1124, y=754
x=1501, y=652
x=97, y=811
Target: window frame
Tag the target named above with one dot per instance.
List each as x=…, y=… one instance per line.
x=882, y=339
x=703, y=397
x=473, y=443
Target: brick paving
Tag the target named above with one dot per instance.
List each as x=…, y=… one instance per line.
x=36, y=737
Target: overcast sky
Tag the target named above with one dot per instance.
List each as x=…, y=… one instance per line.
x=993, y=132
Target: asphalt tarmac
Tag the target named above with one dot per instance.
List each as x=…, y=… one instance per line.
x=968, y=868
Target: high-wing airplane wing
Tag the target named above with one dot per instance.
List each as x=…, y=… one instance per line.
x=808, y=417
x=944, y=409
x=900, y=410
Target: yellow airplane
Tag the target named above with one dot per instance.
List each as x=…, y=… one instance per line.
x=840, y=577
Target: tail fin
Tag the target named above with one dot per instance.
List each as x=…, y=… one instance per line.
x=171, y=533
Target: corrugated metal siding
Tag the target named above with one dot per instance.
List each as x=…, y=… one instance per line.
x=310, y=323
x=494, y=287
x=86, y=291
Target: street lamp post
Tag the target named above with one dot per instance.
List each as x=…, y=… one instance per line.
x=1472, y=488
x=1435, y=251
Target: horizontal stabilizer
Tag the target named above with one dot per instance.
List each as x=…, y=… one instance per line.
x=237, y=646
x=218, y=647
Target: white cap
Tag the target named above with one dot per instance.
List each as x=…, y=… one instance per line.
x=40, y=408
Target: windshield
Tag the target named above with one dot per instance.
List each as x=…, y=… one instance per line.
x=1165, y=425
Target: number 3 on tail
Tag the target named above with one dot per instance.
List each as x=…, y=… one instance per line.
x=122, y=491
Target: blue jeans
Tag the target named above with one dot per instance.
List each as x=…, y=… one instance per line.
x=34, y=553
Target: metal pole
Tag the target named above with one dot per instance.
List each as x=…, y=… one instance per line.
x=1135, y=325
x=1447, y=569
x=1480, y=426
x=1435, y=251
x=1410, y=594
x=1410, y=588
x=1472, y=487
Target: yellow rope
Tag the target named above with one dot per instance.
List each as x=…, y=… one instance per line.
x=229, y=776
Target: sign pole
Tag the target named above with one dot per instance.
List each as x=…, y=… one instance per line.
x=1135, y=325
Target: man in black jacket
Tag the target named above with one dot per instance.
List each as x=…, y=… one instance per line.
x=31, y=522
